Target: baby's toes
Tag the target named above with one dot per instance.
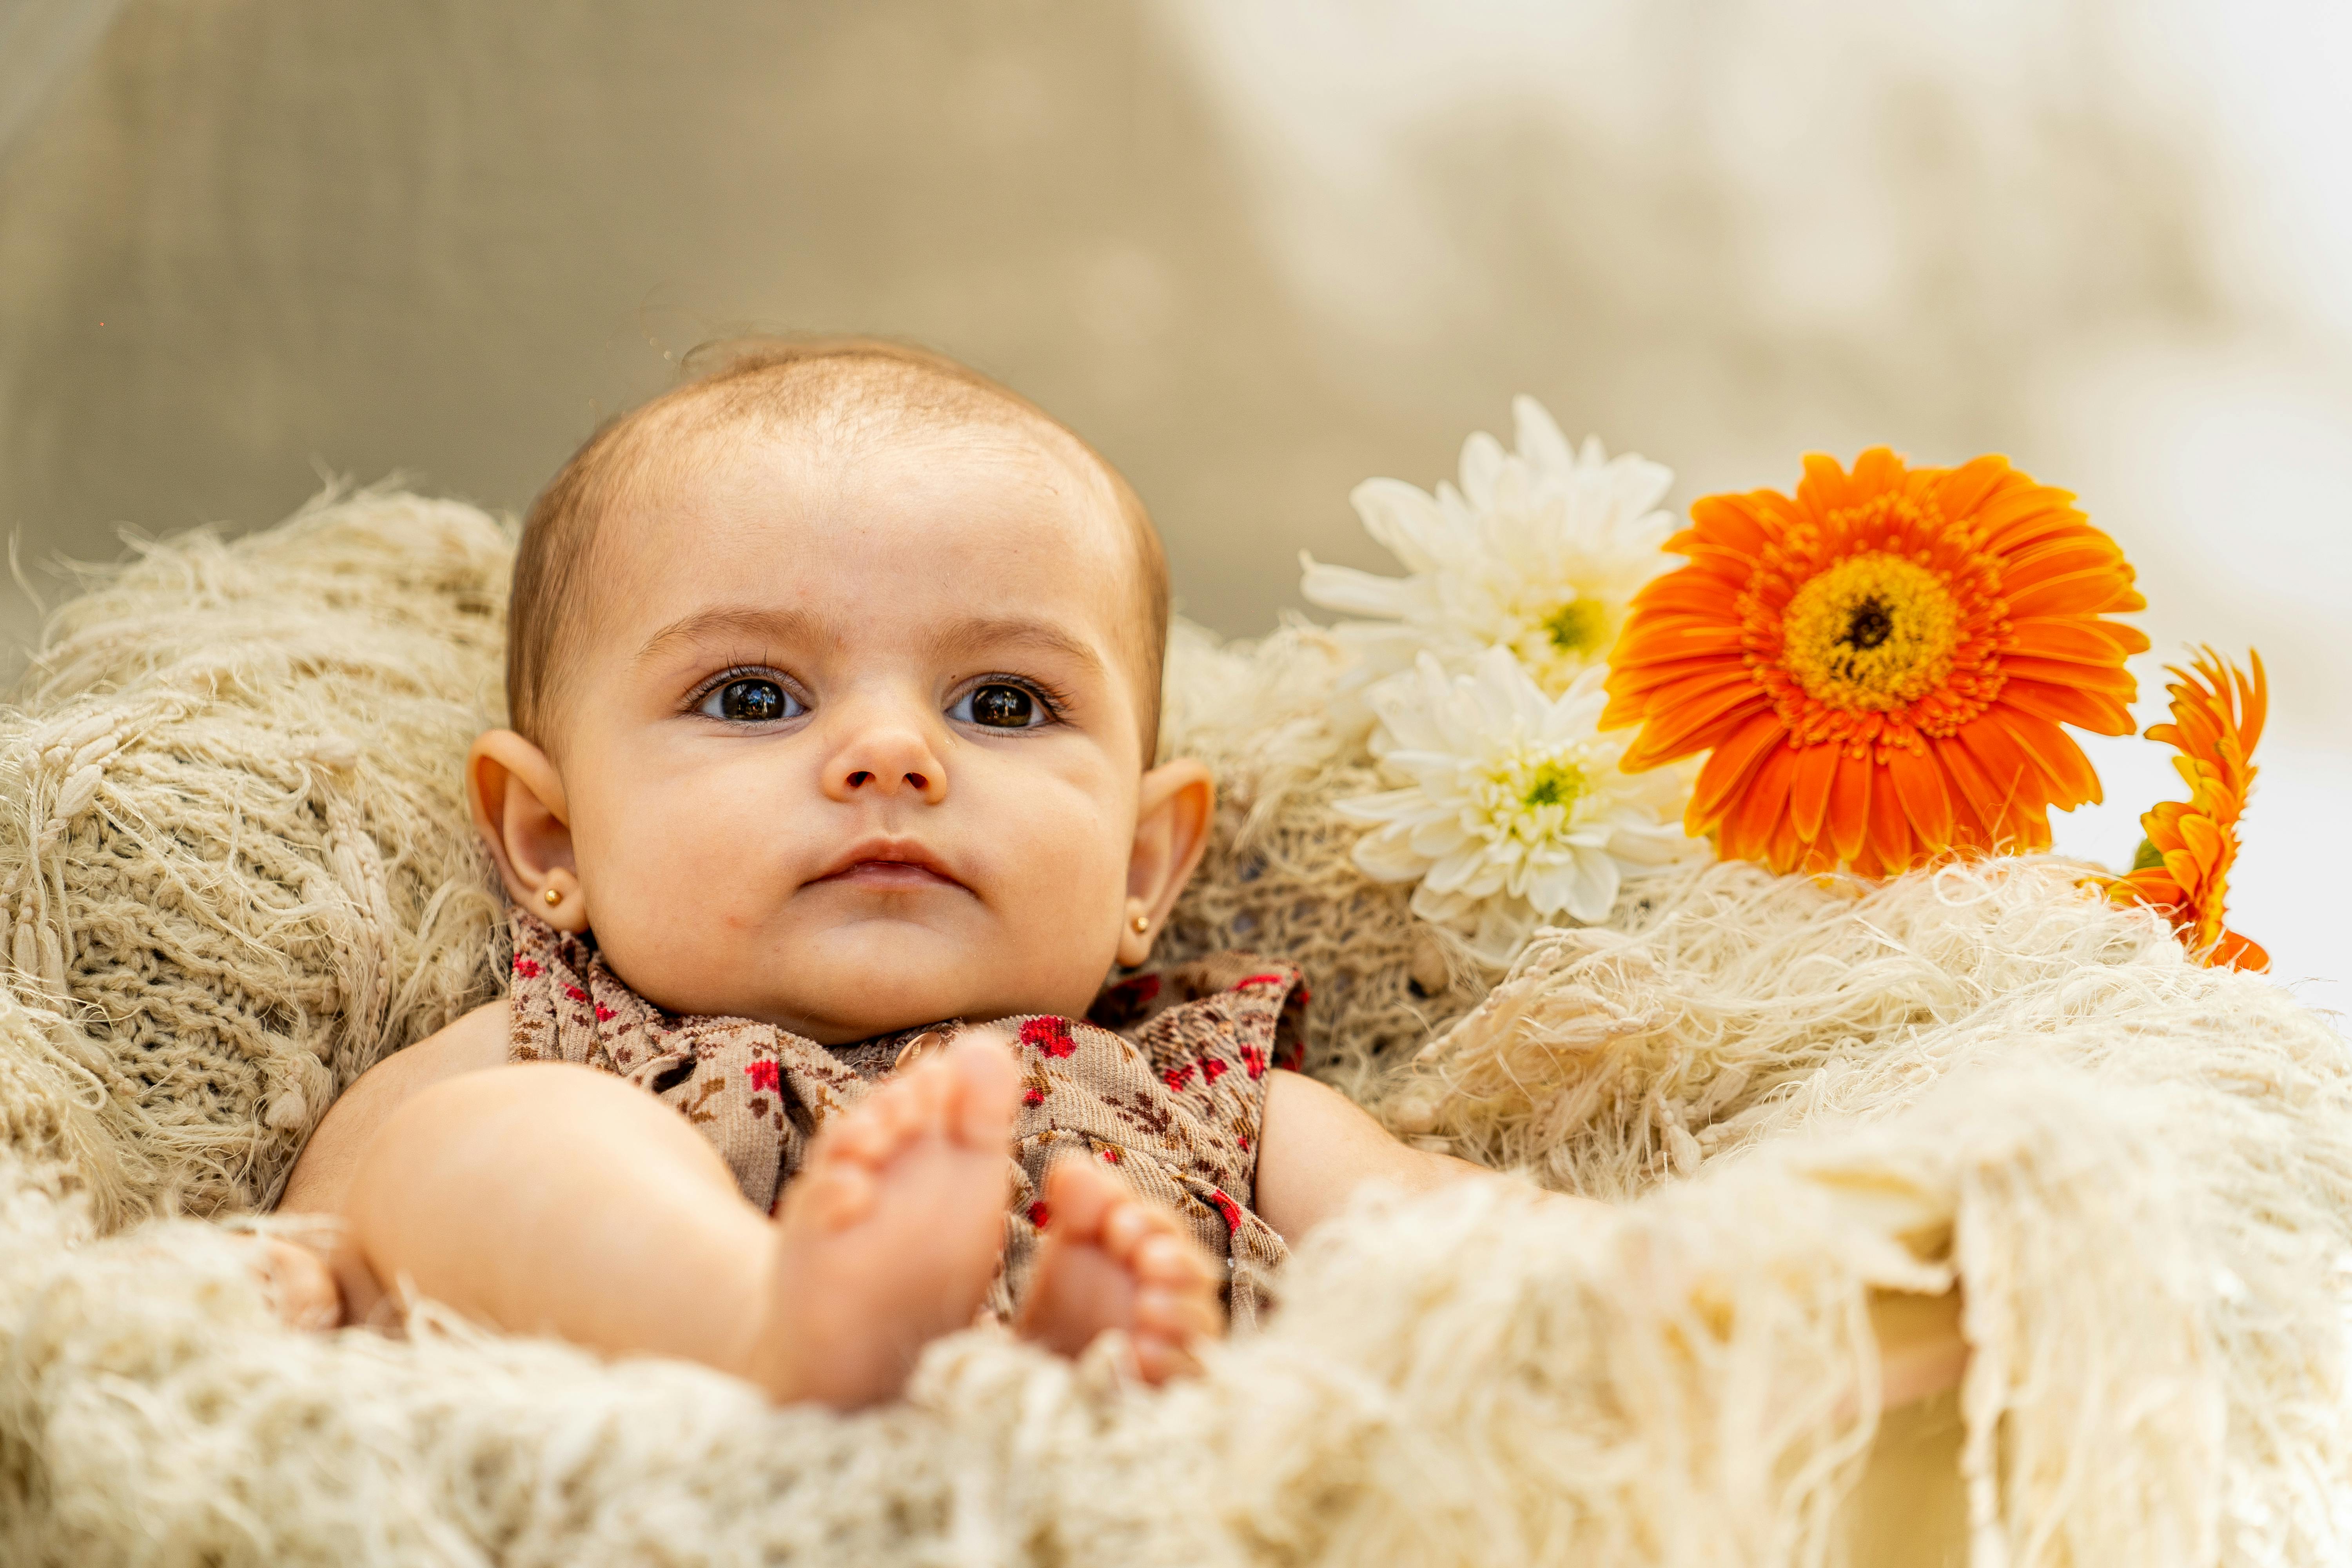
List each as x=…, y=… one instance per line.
x=1171, y=1260
x=978, y=1086
x=1175, y=1294
x=300, y=1288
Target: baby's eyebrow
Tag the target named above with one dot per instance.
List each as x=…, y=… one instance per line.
x=979, y=633
x=728, y=621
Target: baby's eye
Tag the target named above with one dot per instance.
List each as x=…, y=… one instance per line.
x=1000, y=705
x=751, y=700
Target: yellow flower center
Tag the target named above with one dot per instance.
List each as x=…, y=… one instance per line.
x=1531, y=796
x=1873, y=632
x=1554, y=783
x=1576, y=626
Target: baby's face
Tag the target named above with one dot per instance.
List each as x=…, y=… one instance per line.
x=853, y=745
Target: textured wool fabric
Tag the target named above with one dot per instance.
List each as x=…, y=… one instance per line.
x=1792, y=1091
x=234, y=851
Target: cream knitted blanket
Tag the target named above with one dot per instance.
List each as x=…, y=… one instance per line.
x=234, y=872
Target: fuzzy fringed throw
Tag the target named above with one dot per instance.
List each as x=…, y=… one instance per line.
x=236, y=871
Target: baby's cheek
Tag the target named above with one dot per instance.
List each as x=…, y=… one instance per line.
x=675, y=883
x=1071, y=885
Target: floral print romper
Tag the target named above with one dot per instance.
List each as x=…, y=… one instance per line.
x=1165, y=1080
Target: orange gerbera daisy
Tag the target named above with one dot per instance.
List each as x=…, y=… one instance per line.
x=2183, y=869
x=1880, y=664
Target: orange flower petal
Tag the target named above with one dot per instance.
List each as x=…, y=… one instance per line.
x=1693, y=593
x=2068, y=705
x=2061, y=761
x=1790, y=849
x=2076, y=553
x=1688, y=636
x=1963, y=489
x=1751, y=822
x=1809, y=791
x=1917, y=784
x=1824, y=488
x=1728, y=522
x=1848, y=809
x=2111, y=679
x=2077, y=641
x=1966, y=788
x=1632, y=678
x=1680, y=728
x=1890, y=833
x=1727, y=768
x=2086, y=593
x=2022, y=513
x=2238, y=953
x=2016, y=780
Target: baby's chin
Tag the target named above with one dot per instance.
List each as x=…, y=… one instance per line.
x=876, y=977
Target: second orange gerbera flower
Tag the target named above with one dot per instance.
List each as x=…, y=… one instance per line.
x=2184, y=865
x=1880, y=664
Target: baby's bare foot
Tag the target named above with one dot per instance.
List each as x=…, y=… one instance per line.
x=1113, y=1260
x=300, y=1287
x=890, y=1234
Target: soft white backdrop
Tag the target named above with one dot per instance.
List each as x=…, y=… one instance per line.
x=1256, y=249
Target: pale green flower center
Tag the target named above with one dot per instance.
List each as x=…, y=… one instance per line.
x=1555, y=783
x=1575, y=627
x=1556, y=638
x=1532, y=795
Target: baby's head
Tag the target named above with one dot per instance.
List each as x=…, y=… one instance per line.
x=835, y=680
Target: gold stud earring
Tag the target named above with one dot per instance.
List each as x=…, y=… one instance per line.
x=1141, y=923
x=553, y=896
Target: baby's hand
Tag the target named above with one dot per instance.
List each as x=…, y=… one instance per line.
x=300, y=1285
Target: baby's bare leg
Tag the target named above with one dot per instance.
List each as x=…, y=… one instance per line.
x=546, y=1198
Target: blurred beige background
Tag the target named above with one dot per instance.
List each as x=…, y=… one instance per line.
x=1256, y=251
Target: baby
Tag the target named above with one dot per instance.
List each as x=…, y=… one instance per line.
x=830, y=802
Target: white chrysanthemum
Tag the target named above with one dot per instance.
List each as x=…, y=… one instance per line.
x=1538, y=551
x=1514, y=812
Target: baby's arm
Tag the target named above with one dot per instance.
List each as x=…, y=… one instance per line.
x=543, y=1198
x=501, y=1191
x=1316, y=1147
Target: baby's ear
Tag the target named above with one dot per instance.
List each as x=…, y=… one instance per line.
x=518, y=800
x=1173, y=813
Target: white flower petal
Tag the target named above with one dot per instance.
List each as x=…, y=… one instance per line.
x=1482, y=465
x=1596, y=887
x=1407, y=523
x=1356, y=593
x=1539, y=439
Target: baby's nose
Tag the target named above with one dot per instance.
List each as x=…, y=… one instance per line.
x=886, y=760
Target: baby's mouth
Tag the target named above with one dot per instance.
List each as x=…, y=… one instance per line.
x=889, y=874
x=889, y=866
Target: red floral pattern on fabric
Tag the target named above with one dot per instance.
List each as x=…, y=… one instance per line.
x=1051, y=1036
x=1227, y=1210
x=766, y=1075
